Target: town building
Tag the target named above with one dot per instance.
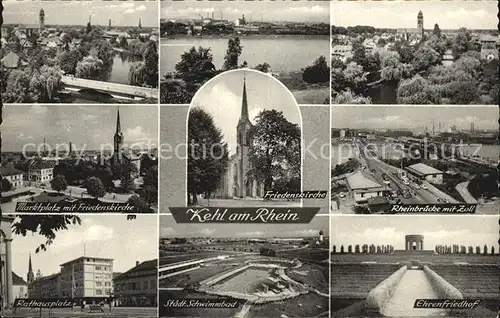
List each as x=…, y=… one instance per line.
x=45, y=287
x=19, y=287
x=425, y=172
x=342, y=52
x=88, y=279
x=235, y=181
x=13, y=175
x=6, y=274
x=138, y=285
x=363, y=187
x=39, y=171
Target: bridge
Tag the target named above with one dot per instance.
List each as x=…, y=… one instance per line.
x=116, y=90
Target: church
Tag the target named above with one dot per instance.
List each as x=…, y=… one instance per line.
x=235, y=183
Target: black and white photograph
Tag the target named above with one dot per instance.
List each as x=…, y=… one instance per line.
x=94, y=264
x=414, y=52
x=244, y=138
x=82, y=52
x=287, y=39
x=386, y=266
x=388, y=155
x=82, y=156
x=267, y=271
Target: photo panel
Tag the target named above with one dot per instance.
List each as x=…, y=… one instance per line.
x=406, y=266
x=250, y=270
x=70, y=52
x=286, y=39
x=419, y=160
x=244, y=142
x=70, y=265
x=80, y=159
x=414, y=52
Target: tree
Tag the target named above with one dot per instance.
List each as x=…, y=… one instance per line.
x=372, y=63
x=90, y=68
x=174, y=91
x=233, y=53
x=358, y=52
x=68, y=61
x=207, y=154
x=151, y=64
x=275, y=150
x=59, y=183
x=88, y=28
x=196, y=65
x=123, y=43
x=485, y=251
x=319, y=72
x=461, y=43
x=356, y=249
x=437, y=30
x=45, y=84
x=137, y=74
x=103, y=50
x=342, y=249
x=18, y=88
x=349, y=249
x=334, y=250
x=416, y=91
x=264, y=67
x=354, y=77
x=348, y=97
x=492, y=250
x=139, y=204
x=95, y=187
x=6, y=185
x=406, y=54
x=425, y=57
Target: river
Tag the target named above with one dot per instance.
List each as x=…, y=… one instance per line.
x=283, y=53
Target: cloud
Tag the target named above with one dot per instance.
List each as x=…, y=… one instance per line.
x=250, y=234
x=316, y=9
x=141, y=8
x=308, y=232
x=207, y=231
x=130, y=10
x=168, y=231
x=137, y=134
x=463, y=13
x=98, y=233
x=127, y=5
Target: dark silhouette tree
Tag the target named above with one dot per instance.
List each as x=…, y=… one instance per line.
x=95, y=187
x=207, y=154
x=59, y=183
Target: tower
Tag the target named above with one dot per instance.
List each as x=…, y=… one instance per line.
x=118, y=139
x=41, y=21
x=420, y=23
x=31, y=276
x=109, y=23
x=243, y=145
x=140, y=24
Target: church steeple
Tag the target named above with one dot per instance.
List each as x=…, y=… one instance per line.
x=31, y=276
x=118, y=138
x=244, y=103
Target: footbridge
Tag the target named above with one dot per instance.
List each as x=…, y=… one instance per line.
x=116, y=90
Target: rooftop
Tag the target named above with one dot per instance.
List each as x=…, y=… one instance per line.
x=360, y=180
x=424, y=169
x=17, y=280
x=88, y=257
x=9, y=170
x=144, y=266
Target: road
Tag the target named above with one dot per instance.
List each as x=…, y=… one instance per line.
x=121, y=312
x=420, y=196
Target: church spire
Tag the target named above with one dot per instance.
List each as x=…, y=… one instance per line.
x=244, y=104
x=31, y=276
x=118, y=126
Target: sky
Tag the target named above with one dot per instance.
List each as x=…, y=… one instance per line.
x=121, y=13
x=444, y=229
x=401, y=117
x=85, y=126
x=107, y=236
x=222, y=98
x=169, y=228
x=403, y=14
x=267, y=11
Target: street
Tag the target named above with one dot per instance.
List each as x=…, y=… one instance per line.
x=76, y=312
